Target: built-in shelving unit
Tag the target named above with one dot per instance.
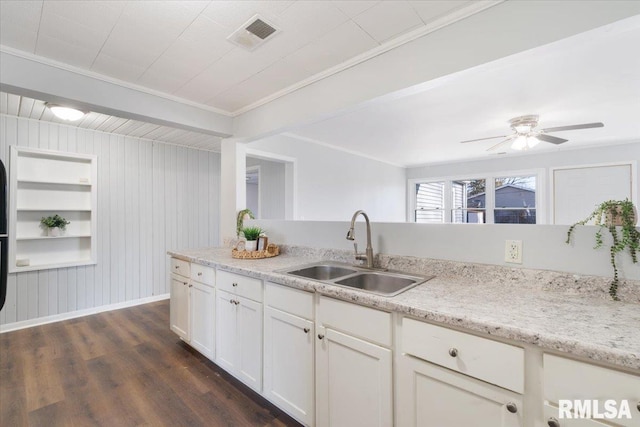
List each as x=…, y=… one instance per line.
x=44, y=183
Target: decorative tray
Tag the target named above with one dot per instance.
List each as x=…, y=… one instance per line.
x=271, y=251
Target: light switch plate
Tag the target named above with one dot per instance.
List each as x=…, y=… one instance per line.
x=513, y=251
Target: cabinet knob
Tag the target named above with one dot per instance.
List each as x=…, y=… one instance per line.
x=511, y=407
x=184, y=283
x=638, y=406
x=231, y=301
x=453, y=352
x=176, y=267
x=553, y=422
x=236, y=302
x=306, y=330
x=200, y=273
x=234, y=284
x=191, y=286
x=320, y=336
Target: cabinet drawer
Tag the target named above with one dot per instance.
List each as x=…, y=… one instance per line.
x=203, y=274
x=180, y=267
x=363, y=322
x=485, y=359
x=552, y=413
x=238, y=284
x=572, y=380
x=289, y=300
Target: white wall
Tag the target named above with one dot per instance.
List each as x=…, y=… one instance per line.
x=272, y=188
x=152, y=197
x=332, y=184
x=543, y=246
x=545, y=161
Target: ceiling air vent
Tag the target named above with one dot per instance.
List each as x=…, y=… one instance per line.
x=253, y=33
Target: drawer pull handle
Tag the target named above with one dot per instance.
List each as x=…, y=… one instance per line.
x=306, y=330
x=511, y=407
x=453, y=352
x=234, y=284
x=200, y=273
x=552, y=422
x=320, y=336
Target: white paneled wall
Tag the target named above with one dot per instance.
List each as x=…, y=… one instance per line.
x=272, y=188
x=152, y=197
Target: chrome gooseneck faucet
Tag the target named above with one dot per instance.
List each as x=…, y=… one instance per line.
x=351, y=235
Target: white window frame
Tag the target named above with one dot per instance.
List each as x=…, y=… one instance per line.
x=489, y=177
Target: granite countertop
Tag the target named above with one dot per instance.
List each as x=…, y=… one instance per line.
x=577, y=324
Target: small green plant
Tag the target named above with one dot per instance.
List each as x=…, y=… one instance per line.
x=252, y=233
x=54, y=221
x=606, y=216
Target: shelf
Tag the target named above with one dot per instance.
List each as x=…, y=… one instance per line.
x=77, y=263
x=77, y=236
x=52, y=210
x=44, y=183
x=65, y=183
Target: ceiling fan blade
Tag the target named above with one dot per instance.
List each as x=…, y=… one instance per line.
x=482, y=139
x=551, y=139
x=574, y=127
x=509, y=139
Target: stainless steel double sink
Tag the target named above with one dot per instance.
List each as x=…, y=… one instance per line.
x=385, y=283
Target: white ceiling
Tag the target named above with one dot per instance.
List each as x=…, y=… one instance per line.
x=180, y=47
x=591, y=77
x=22, y=106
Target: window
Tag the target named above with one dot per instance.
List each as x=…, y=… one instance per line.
x=500, y=199
x=429, y=202
x=515, y=200
x=468, y=201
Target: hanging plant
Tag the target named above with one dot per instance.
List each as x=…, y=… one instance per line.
x=619, y=218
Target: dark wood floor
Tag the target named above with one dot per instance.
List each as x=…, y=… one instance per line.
x=120, y=368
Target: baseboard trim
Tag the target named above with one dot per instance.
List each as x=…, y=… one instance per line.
x=78, y=313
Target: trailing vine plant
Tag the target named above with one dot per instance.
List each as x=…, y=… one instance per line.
x=606, y=216
x=240, y=220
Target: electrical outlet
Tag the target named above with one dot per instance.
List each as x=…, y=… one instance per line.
x=513, y=251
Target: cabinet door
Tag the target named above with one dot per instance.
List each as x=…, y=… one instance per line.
x=354, y=381
x=288, y=363
x=249, y=342
x=179, y=307
x=226, y=331
x=202, y=319
x=430, y=396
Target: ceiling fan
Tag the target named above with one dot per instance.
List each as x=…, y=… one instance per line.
x=525, y=135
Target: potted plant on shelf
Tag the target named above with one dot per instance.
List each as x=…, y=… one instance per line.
x=252, y=234
x=54, y=224
x=610, y=215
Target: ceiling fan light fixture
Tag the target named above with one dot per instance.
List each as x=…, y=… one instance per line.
x=520, y=143
x=523, y=129
x=65, y=113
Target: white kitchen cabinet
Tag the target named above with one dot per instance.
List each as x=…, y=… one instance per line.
x=482, y=384
x=239, y=337
x=192, y=305
x=354, y=381
x=202, y=310
x=288, y=351
x=570, y=380
x=431, y=396
x=179, y=307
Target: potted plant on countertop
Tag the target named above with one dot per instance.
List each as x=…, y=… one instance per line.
x=54, y=224
x=610, y=215
x=252, y=234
